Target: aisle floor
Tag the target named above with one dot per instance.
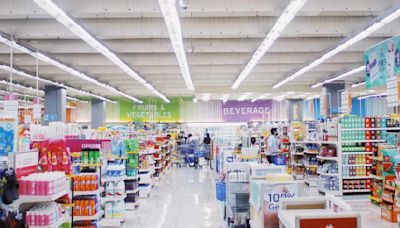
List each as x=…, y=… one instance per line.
x=186, y=198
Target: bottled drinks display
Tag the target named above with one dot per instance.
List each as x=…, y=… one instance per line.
x=86, y=182
x=351, y=121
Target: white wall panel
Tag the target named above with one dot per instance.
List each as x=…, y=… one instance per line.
x=210, y=111
x=280, y=111
x=112, y=112
x=83, y=113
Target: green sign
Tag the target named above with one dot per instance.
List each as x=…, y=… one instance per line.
x=151, y=110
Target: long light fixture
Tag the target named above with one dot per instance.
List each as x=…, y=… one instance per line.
x=373, y=95
x=33, y=90
x=225, y=97
x=41, y=56
x=30, y=76
x=355, y=85
x=171, y=17
x=67, y=21
x=284, y=19
x=244, y=96
x=340, y=76
x=25, y=88
x=373, y=26
x=261, y=97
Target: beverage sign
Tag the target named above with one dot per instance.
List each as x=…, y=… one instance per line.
x=243, y=111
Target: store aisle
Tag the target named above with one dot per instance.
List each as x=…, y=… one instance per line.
x=185, y=198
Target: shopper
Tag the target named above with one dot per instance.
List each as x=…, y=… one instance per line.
x=207, y=146
x=273, y=145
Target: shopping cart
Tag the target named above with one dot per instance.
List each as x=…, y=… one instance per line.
x=186, y=152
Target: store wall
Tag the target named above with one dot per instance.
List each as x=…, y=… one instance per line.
x=189, y=111
x=376, y=106
x=210, y=111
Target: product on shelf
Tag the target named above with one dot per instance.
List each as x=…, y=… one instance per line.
x=86, y=206
x=115, y=188
x=53, y=156
x=43, y=214
x=114, y=210
x=90, y=156
x=42, y=184
x=357, y=184
x=86, y=182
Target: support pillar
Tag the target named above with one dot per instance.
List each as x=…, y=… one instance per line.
x=333, y=97
x=55, y=104
x=98, y=113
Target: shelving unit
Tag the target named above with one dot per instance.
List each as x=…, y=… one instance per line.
x=296, y=160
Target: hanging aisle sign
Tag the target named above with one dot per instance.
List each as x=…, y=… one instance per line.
x=244, y=111
x=151, y=110
x=346, y=102
x=381, y=62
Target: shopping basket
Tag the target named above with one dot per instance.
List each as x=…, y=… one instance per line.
x=279, y=159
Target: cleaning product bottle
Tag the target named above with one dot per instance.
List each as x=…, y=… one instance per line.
x=109, y=210
x=120, y=188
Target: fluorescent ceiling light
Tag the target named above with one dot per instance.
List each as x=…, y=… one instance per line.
x=25, y=88
x=41, y=56
x=244, y=96
x=171, y=17
x=284, y=19
x=225, y=97
x=355, y=85
x=376, y=24
x=67, y=21
x=206, y=97
x=33, y=90
x=30, y=76
x=340, y=76
x=261, y=97
x=374, y=95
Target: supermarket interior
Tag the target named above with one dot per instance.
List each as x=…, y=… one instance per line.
x=200, y=113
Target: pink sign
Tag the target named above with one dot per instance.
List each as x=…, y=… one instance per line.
x=244, y=111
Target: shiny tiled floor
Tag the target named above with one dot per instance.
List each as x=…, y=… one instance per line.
x=186, y=198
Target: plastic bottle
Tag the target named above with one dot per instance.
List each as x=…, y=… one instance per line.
x=109, y=210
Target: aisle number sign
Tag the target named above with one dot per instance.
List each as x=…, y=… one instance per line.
x=151, y=110
x=275, y=192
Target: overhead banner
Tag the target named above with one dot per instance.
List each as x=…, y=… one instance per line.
x=151, y=110
x=380, y=62
x=244, y=111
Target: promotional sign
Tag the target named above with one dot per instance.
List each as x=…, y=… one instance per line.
x=151, y=110
x=351, y=222
x=244, y=111
x=346, y=102
x=8, y=139
x=26, y=163
x=276, y=192
x=381, y=62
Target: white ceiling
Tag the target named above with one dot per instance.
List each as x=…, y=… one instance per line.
x=219, y=36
